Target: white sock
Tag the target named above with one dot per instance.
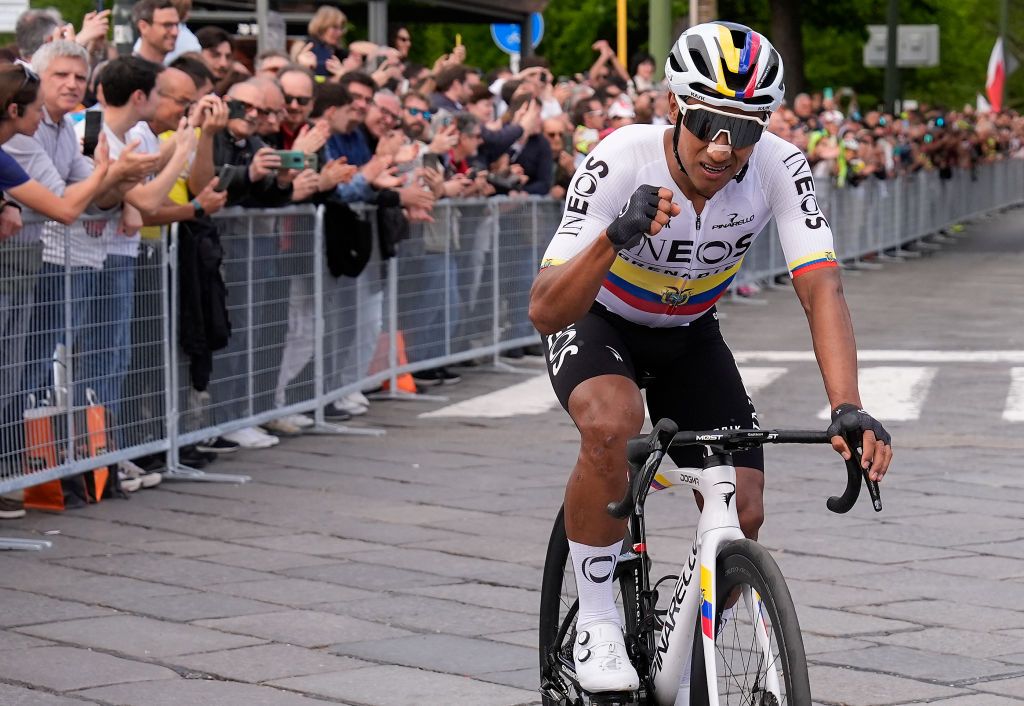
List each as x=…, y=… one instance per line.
x=595, y=583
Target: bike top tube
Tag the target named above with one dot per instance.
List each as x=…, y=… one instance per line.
x=645, y=453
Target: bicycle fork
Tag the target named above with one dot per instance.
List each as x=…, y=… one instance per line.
x=695, y=590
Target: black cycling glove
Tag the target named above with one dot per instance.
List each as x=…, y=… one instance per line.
x=635, y=219
x=850, y=422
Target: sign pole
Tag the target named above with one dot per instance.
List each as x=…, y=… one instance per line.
x=892, y=76
x=623, y=59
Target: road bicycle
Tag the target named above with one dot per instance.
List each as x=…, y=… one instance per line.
x=730, y=623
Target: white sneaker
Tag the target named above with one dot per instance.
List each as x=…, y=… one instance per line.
x=602, y=663
x=352, y=404
x=128, y=484
x=265, y=436
x=359, y=398
x=299, y=420
x=282, y=427
x=147, y=479
x=250, y=438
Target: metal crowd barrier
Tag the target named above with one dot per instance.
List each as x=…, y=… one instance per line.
x=81, y=327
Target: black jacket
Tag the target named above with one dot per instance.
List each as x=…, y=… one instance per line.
x=242, y=191
x=535, y=158
x=203, y=325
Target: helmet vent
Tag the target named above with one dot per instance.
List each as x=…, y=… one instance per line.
x=700, y=64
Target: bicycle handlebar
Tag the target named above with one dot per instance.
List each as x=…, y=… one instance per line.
x=644, y=455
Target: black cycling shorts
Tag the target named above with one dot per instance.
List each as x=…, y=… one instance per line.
x=689, y=373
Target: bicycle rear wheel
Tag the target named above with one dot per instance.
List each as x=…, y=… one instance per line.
x=760, y=635
x=558, y=606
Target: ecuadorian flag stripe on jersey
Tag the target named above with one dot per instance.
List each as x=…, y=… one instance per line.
x=643, y=290
x=814, y=261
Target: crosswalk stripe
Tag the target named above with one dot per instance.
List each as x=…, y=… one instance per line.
x=1014, y=411
x=889, y=356
x=756, y=379
x=533, y=396
x=893, y=393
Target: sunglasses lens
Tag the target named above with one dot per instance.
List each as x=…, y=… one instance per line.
x=706, y=126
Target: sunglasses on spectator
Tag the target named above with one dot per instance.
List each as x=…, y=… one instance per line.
x=249, y=107
x=419, y=112
x=403, y=38
x=707, y=123
x=301, y=100
x=552, y=134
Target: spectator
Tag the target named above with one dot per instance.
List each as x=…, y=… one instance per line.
x=269, y=126
x=531, y=153
x=589, y=119
x=270, y=62
x=452, y=90
x=643, y=74
x=326, y=29
x=33, y=29
x=401, y=41
x=620, y=113
x=297, y=86
x=157, y=22
x=562, y=164
x=27, y=175
x=217, y=52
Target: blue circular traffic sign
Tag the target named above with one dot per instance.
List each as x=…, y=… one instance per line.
x=508, y=38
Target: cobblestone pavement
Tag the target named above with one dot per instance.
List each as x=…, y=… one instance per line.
x=406, y=569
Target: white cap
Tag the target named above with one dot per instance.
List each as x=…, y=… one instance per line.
x=621, y=108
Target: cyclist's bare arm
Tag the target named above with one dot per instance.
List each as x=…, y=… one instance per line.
x=821, y=294
x=562, y=294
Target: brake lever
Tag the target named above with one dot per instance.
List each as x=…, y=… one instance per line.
x=855, y=472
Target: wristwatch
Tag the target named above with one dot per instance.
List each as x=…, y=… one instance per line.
x=199, y=209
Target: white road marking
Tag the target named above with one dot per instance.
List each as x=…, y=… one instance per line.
x=535, y=396
x=756, y=379
x=1014, y=411
x=893, y=393
x=890, y=356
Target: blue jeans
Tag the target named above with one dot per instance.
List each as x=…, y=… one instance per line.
x=111, y=337
x=48, y=328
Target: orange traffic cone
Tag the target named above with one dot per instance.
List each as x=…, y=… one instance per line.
x=380, y=362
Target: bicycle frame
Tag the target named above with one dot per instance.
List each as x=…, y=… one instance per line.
x=718, y=524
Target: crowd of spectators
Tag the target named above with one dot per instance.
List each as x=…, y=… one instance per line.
x=192, y=125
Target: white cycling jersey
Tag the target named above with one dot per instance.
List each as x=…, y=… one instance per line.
x=672, y=278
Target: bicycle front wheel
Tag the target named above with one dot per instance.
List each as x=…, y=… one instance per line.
x=759, y=653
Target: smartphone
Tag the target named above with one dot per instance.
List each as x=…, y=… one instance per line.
x=827, y=93
x=236, y=110
x=100, y=5
x=93, y=126
x=432, y=161
x=291, y=159
x=458, y=40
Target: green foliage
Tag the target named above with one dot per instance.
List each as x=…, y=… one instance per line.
x=71, y=10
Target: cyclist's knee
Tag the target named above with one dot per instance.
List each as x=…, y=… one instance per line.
x=751, y=519
x=605, y=426
x=750, y=500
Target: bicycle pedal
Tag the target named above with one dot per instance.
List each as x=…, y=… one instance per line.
x=612, y=698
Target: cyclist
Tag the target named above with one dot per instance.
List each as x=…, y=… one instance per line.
x=626, y=294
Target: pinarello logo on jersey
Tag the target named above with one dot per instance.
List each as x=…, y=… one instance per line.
x=734, y=220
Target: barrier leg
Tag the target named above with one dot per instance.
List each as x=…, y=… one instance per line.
x=25, y=545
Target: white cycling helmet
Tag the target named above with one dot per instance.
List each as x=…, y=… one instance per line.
x=726, y=65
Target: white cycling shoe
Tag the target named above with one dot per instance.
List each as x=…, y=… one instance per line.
x=602, y=663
